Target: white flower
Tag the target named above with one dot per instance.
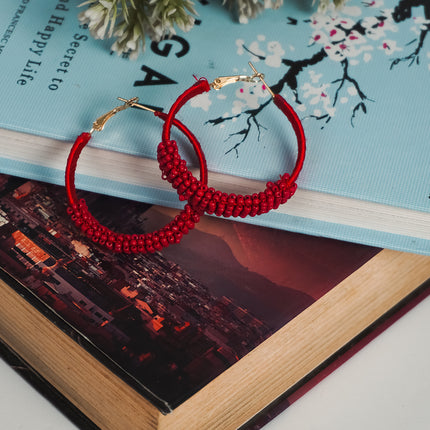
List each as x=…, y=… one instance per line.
x=421, y=24
x=335, y=34
x=389, y=46
x=355, y=38
x=373, y=27
x=345, y=49
x=319, y=96
x=275, y=58
x=97, y=17
x=131, y=21
x=250, y=94
x=202, y=101
x=314, y=76
x=320, y=37
x=345, y=23
x=320, y=21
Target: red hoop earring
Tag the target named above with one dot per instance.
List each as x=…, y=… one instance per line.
x=129, y=243
x=208, y=200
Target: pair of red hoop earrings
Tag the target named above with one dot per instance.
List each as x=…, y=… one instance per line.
x=201, y=198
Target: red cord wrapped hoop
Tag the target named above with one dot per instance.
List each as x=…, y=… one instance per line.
x=130, y=243
x=204, y=199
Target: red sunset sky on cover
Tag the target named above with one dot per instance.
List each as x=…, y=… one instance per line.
x=305, y=263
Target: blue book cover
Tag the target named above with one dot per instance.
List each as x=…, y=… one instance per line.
x=358, y=79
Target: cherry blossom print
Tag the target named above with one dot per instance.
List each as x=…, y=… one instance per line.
x=347, y=37
x=320, y=98
x=389, y=46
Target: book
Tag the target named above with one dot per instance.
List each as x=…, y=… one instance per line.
x=337, y=360
x=365, y=177
x=258, y=422
x=43, y=388
x=228, y=320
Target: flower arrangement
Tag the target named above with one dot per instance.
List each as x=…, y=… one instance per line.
x=130, y=21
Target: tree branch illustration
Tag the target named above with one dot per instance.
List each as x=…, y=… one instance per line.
x=295, y=68
x=340, y=55
x=402, y=12
x=347, y=78
x=288, y=79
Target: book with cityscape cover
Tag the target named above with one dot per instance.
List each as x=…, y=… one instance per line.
x=355, y=76
x=228, y=320
x=72, y=413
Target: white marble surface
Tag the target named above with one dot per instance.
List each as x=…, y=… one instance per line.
x=386, y=385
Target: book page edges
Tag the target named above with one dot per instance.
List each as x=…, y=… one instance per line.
x=80, y=377
x=145, y=173
x=303, y=344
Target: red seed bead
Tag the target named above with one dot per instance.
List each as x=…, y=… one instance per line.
x=237, y=210
x=211, y=207
x=185, y=216
x=229, y=208
x=220, y=210
x=170, y=239
x=245, y=211
x=264, y=208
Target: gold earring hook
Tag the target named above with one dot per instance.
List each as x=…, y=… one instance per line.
x=261, y=77
x=137, y=105
x=100, y=122
x=221, y=81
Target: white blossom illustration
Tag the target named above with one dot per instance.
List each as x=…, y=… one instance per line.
x=345, y=37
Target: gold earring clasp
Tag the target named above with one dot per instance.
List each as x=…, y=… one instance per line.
x=221, y=81
x=133, y=103
x=260, y=76
x=100, y=122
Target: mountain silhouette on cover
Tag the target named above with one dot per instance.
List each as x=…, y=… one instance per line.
x=209, y=259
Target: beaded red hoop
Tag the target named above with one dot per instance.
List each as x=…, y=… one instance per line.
x=129, y=243
x=208, y=200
